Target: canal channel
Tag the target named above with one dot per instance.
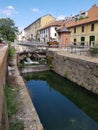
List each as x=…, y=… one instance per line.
x=61, y=104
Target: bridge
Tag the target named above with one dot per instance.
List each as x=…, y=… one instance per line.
x=30, y=53
x=33, y=44
x=37, y=47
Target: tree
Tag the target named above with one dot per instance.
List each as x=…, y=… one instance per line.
x=7, y=29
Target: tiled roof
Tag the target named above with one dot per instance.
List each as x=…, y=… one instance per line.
x=71, y=23
x=63, y=29
x=80, y=22
x=54, y=23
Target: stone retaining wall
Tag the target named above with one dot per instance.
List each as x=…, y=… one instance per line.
x=82, y=70
x=26, y=112
x=3, y=111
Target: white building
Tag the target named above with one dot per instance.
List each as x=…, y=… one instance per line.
x=21, y=36
x=48, y=33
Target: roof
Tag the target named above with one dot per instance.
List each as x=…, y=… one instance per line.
x=54, y=23
x=63, y=29
x=81, y=22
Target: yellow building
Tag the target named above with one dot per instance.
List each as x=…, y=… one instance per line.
x=85, y=31
x=31, y=32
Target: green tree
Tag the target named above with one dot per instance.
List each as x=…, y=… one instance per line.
x=7, y=29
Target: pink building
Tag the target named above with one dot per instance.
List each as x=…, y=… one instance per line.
x=64, y=36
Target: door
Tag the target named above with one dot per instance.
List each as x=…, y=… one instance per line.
x=92, y=40
x=82, y=40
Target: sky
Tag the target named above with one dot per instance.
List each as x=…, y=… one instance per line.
x=25, y=12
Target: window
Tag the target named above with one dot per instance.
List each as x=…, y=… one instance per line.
x=74, y=29
x=82, y=28
x=82, y=40
x=92, y=27
x=55, y=28
x=75, y=41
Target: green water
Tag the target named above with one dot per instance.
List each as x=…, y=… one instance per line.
x=61, y=104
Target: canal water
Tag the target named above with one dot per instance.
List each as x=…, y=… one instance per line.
x=61, y=104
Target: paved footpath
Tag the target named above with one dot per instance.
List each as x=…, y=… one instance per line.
x=77, y=56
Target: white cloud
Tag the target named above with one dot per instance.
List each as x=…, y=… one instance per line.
x=10, y=7
x=35, y=10
x=61, y=17
x=20, y=28
x=8, y=11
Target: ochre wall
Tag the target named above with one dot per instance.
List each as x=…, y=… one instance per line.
x=87, y=33
x=46, y=20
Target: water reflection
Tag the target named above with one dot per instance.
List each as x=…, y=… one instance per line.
x=55, y=99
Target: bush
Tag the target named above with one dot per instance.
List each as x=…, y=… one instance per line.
x=11, y=106
x=94, y=50
x=11, y=50
x=18, y=125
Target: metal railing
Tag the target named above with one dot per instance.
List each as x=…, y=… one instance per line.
x=78, y=49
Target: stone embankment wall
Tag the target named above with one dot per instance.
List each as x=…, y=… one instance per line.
x=3, y=111
x=27, y=112
x=80, y=69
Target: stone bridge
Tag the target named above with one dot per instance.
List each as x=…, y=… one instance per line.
x=30, y=47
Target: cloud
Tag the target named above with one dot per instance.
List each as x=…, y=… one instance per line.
x=8, y=11
x=61, y=17
x=21, y=28
x=35, y=10
x=10, y=7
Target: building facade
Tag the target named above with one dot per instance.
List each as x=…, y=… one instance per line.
x=82, y=14
x=31, y=32
x=81, y=29
x=21, y=36
x=49, y=33
x=85, y=31
x=64, y=37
